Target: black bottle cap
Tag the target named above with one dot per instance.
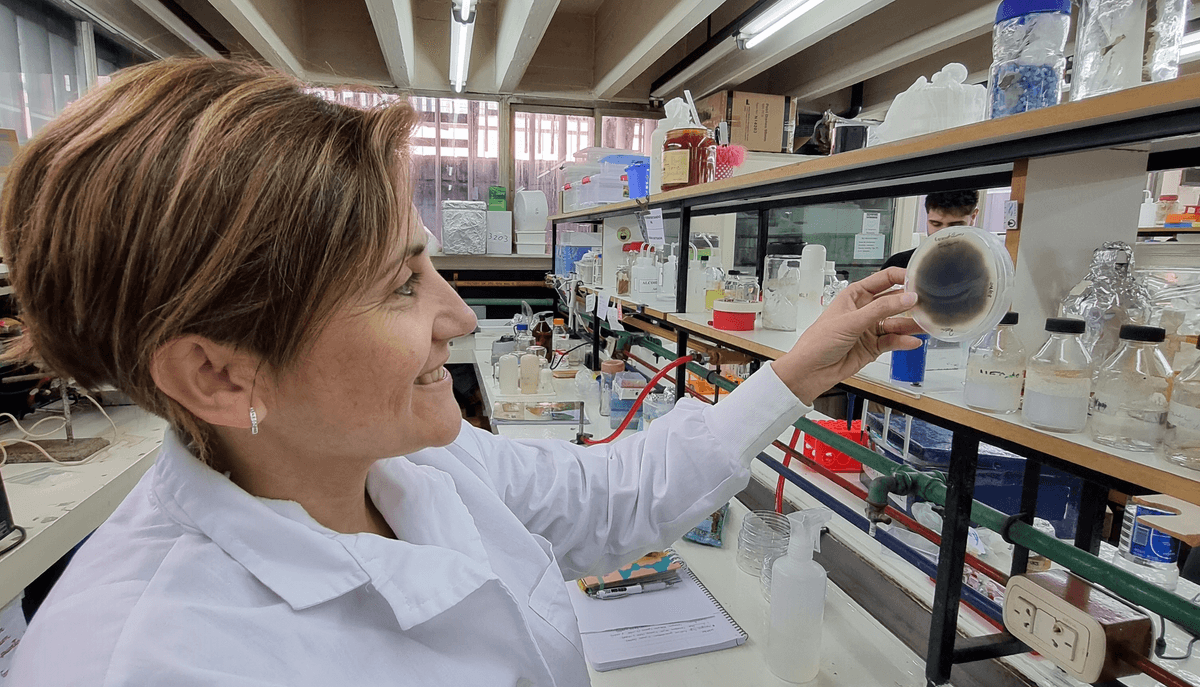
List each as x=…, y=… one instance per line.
x=1009, y=318
x=1065, y=325
x=1137, y=332
x=734, y=272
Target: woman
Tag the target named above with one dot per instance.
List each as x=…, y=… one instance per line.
x=242, y=258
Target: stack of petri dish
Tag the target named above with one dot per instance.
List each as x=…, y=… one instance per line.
x=764, y=535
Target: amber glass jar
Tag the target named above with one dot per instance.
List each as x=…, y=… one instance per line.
x=689, y=158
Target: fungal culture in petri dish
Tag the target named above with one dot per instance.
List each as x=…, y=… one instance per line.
x=963, y=278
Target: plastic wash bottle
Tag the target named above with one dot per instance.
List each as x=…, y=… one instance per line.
x=798, y=601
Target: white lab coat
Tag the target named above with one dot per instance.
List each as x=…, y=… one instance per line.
x=193, y=581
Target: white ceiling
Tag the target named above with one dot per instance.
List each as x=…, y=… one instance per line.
x=574, y=50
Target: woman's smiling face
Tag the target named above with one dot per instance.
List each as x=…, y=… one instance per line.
x=373, y=384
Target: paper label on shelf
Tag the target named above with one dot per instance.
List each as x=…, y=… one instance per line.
x=12, y=628
x=655, y=233
x=602, y=308
x=614, y=319
x=871, y=223
x=589, y=302
x=868, y=246
x=675, y=166
x=1010, y=214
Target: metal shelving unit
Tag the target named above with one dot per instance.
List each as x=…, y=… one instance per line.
x=1162, y=119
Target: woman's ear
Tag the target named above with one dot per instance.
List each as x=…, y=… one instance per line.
x=214, y=382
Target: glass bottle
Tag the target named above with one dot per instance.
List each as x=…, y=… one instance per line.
x=559, y=337
x=996, y=369
x=1058, y=380
x=524, y=338
x=1129, y=408
x=714, y=280
x=781, y=292
x=1182, y=440
x=689, y=158
x=543, y=336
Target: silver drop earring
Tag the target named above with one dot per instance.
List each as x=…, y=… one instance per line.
x=253, y=421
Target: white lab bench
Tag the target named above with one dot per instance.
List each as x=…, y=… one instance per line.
x=848, y=626
x=59, y=505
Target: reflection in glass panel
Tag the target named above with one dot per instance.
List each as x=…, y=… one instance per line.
x=455, y=154
x=541, y=142
x=832, y=225
x=627, y=133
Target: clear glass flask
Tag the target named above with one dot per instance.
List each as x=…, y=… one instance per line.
x=996, y=369
x=1058, y=380
x=781, y=292
x=1181, y=443
x=1129, y=407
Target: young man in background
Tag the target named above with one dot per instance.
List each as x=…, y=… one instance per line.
x=946, y=209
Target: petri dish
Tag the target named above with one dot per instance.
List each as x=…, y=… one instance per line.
x=963, y=278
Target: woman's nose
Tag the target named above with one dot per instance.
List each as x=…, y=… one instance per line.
x=455, y=318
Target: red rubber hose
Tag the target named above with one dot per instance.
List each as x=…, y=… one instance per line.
x=641, y=397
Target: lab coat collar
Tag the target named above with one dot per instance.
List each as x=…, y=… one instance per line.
x=307, y=564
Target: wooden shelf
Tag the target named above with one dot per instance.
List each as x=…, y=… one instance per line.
x=1168, y=112
x=1149, y=470
x=492, y=262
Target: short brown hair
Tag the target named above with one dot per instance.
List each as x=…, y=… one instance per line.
x=204, y=197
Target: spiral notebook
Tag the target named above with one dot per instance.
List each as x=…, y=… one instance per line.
x=682, y=620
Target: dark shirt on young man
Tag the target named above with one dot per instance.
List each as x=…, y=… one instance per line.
x=899, y=259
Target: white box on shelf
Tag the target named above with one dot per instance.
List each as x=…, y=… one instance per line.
x=499, y=232
x=531, y=238
x=531, y=249
x=464, y=227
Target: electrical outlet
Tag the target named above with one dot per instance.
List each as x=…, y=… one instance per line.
x=1075, y=625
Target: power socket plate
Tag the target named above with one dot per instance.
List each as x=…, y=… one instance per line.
x=1075, y=625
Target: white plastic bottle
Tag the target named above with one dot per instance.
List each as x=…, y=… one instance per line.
x=509, y=374
x=798, y=601
x=812, y=272
x=644, y=276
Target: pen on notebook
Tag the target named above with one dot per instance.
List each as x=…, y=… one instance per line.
x=618, y=592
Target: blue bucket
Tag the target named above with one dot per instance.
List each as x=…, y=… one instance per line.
x=638, y=174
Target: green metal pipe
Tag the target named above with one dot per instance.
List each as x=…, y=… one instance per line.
x=932, y=487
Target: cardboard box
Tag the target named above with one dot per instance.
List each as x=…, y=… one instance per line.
x=760, y=123
x=497, y=198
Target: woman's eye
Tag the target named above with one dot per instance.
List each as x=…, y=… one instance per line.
x=409, y=288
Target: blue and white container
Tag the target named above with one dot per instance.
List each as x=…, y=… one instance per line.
x=1029, y=44
x=1146, y=552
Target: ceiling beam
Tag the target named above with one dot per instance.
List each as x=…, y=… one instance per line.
x=814, y=26
x=519, y=31
x=257, y=31
x=177, y=26
x=393, y=22
x=632, y=34
x=872, y=63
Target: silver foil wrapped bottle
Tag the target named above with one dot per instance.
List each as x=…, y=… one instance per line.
x=1112, y=296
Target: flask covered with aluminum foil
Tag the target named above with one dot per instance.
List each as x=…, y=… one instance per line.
x=1110, y=297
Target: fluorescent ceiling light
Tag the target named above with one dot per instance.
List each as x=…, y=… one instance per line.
x=462, y=29
x=1190, y=45
x=780, y=15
